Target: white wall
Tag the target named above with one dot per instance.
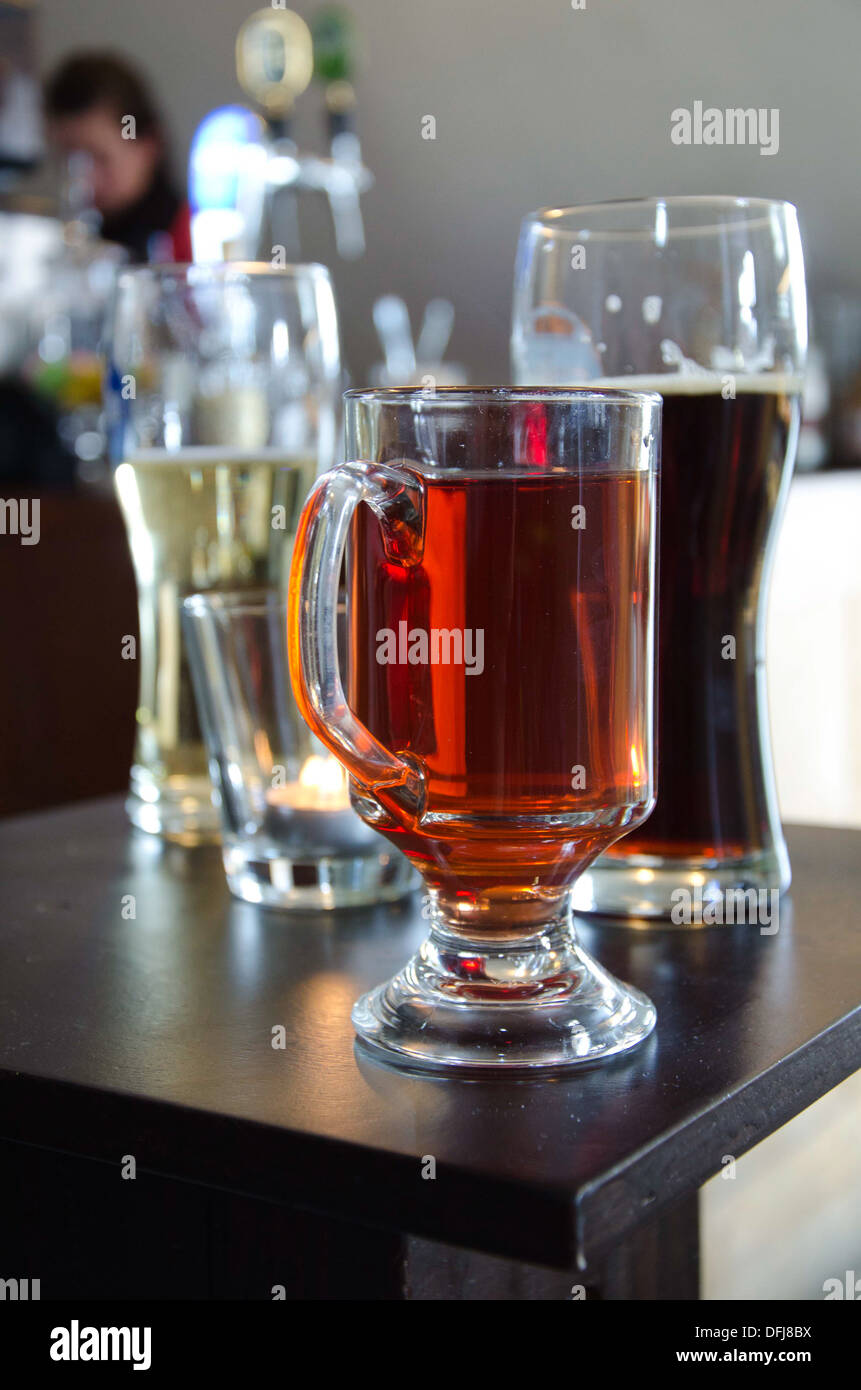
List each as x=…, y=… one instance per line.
x=814, y=652
x=535, y=103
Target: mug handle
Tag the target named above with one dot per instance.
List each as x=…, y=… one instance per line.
x=395, y=781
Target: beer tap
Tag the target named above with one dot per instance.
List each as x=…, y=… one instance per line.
x=335, y=47
x=276, y=58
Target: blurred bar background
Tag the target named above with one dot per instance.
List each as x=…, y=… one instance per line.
x=533, y=105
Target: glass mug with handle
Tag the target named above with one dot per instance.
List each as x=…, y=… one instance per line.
x=497, y=720
x=701, y=299
x=222, y=399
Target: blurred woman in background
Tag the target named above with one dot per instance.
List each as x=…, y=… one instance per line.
x=89, y=99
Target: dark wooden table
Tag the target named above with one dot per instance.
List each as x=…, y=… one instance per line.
x=136, y=1023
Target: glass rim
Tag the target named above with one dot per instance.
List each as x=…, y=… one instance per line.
x=249, y=602
x=564, y=219
x=224, y=272
x=503, y=395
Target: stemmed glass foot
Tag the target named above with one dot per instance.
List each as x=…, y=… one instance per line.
x=539, y=1001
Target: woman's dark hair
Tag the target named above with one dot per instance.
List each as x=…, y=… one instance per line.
x=86, y=81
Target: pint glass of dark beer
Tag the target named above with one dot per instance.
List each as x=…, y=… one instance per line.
x=703, y=300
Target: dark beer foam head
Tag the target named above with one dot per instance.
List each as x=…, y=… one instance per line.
x=708, y=383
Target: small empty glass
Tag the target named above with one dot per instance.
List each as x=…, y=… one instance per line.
x=289, y=836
